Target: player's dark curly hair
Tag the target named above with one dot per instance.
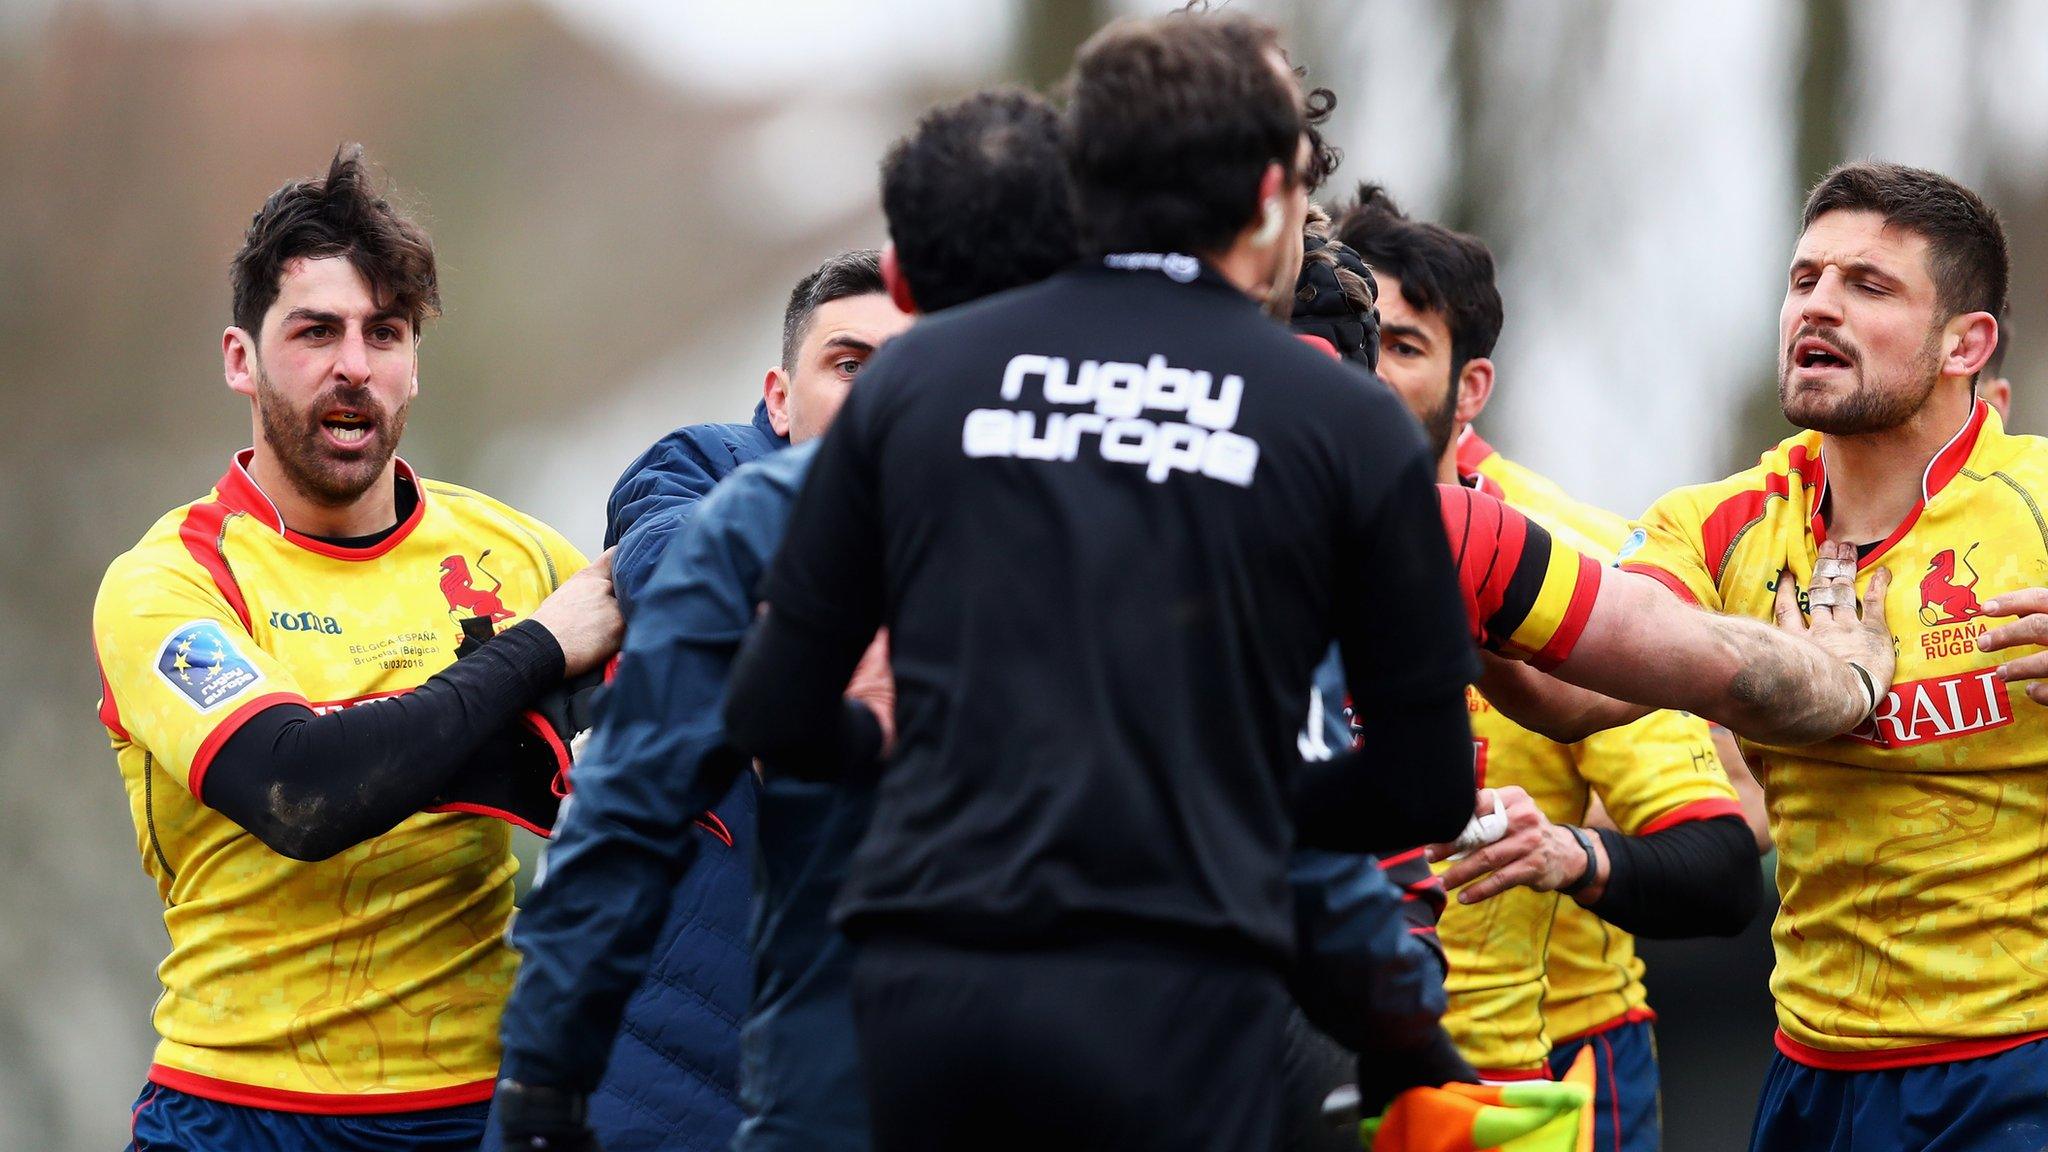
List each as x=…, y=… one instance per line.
x=977, y=198
x=1171, y=122
x=1441, y=271
x=344, y=214
x=1966, y=244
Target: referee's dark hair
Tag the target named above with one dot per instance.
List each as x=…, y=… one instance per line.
x=1171, y=122
x=345, y=214
x=1441, y=271
x=977, y=198
x=854, y=273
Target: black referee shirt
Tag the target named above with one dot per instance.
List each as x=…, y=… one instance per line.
x=1112, y=520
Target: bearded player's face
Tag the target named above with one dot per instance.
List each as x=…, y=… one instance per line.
x=1859, y=349
x=333, y=378
x=1415, y=361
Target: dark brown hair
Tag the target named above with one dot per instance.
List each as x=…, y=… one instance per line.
x=345, y=214
x=1965, y=241
x=853, y=273
x=1171, y=123
x=1441, y=271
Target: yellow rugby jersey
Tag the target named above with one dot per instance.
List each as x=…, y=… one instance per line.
x=1531, y=969
x=372, y=981
x=1912, y=851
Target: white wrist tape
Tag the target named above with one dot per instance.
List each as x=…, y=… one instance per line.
x=1481, y=830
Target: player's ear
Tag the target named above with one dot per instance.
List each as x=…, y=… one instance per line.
x=1972, y=336
x=775, y=393
x=1475, y=388
x=238, y=361
x=892, y=279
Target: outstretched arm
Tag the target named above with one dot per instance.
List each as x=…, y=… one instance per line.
x=1644, y=648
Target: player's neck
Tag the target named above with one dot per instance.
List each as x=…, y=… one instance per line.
x=374, y=511
x=1874, y=481
x=1447, y=464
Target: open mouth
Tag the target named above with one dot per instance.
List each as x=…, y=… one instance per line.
x=1811, y=354
x=348, y=427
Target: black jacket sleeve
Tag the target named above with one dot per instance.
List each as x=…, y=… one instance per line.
x=1699, y=878
x=310, y=786
x=1409, y=783
x=786, y=704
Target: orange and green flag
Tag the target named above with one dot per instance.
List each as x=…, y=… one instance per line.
x=1532, y=1116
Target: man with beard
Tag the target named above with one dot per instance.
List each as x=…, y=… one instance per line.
x=1911, y=940
x=307, y=763
x=1532, y=970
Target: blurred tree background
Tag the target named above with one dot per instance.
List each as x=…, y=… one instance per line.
x=622, y=192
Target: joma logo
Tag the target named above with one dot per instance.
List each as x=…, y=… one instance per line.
x=304, y=622
x=1923, y=711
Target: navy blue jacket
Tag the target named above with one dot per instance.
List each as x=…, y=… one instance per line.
x=671, y=1070
x=656, y=492
x=1367, y=968
x=588, y=933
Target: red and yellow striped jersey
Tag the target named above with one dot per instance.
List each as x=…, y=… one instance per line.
x=1526, y=596
x=1529, y=969
x=372, y=981
x=1913, y=850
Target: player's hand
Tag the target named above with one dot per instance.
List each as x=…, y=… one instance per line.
x=1534, y=853
x=2030, y=605
x=1852, y=629
x=583, y=617
x=540, y=1119
x=874, y=685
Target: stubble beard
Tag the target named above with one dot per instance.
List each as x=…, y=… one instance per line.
x=298, y=440
x=1438, y=423
x=1874, y=404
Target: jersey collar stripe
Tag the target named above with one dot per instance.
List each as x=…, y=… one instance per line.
x=202, y=534
x=1943, y=468
x=240, y=492
x=1472, y=451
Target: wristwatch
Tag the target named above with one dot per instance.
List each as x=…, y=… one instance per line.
x=1592, y=871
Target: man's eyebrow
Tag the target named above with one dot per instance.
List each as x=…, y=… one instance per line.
x=314, y=315
x=1406, y=331
x=851, y=343
x=387, y=314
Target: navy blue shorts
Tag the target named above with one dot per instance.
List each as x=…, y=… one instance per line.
x=1628, y=1113
x=167, y=1120
x=1990, y=1104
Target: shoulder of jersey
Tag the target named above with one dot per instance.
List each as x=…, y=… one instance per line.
x=1582, y=527
x=2024, y=458
x=469, y=501
x=1790, y=463
x=159, y=556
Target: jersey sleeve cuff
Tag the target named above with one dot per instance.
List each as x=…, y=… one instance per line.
x=1676, y=585
x=195, y=779
x=1708, y=809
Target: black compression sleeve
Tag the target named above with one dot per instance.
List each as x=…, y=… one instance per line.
x=1699, y=878
x=1409, y=782
x=786, y=703
x=310, y=786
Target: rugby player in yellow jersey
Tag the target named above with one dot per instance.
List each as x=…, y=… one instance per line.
x=1680, y=860
x=1912, y=944
x=282, y=691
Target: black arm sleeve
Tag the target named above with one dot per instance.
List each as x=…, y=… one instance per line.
x=310, y=786
x=1407, y=653
x=1699, y=878
x=1409, y=782
x=786, y=703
